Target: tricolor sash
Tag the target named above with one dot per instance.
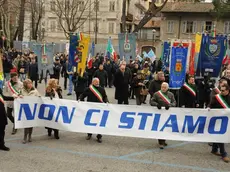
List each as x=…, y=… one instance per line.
x=222, y=102
x=13, y=89
x=217, y=91
x=164, y=97
x=190, y=89
x=96, y=93
x=1, y=99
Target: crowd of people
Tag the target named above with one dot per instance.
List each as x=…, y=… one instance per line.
x=133, y=80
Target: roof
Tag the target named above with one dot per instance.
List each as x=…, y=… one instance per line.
x=188, y=7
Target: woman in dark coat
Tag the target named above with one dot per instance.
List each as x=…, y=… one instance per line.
x=80, y=83
x=53, y=91
x=3, y=120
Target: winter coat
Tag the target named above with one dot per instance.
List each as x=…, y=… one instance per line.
x=33, y=71
x=80, y=83
x=157, y=100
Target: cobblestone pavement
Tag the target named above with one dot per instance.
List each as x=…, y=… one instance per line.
x=72, y=153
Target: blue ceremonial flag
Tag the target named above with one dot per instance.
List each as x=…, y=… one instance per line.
x=127, y=45
x=139, y=58
x=73, y=49
x=178, y=67
x=212, y=53
x=165, y=55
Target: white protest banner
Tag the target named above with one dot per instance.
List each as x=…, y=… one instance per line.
x=199, y=125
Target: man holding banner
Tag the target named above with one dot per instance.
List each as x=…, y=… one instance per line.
x=163, y=98
x=95, y=93
x=221, y=101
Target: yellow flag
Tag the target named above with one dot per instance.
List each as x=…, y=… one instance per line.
x=1, y=67
x=83, y=49
x=198, y=39
x=1, y=76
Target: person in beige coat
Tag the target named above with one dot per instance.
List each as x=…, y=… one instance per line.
x=28, y=90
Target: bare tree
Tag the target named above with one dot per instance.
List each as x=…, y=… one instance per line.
x=36, y=8
x=21, y=20
x=151, y=12
x=71, y=14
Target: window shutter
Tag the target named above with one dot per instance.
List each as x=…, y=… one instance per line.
x=194, y=27
x=184, y=26
x=202, y=26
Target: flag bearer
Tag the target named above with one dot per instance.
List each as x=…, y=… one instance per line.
x=188, y=94
x=163, y=98
x=220, y=101
x=97, y=94
x=3, y=119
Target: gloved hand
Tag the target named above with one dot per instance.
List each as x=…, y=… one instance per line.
x=159, y=106
x=51, y=97
x=167, y=107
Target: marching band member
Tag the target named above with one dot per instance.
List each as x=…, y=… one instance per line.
x=220, y=101
x=188, y=94
x=3, y=119
x=13, y=89
x=53, y=91
x=28, y=90
x=163, y=98
x=94, y=93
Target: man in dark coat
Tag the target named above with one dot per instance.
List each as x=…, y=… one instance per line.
x=221, y=101
x=92, y=96
x=3, y=120
x=121, y=82
x=101, y=74
x=57, y=69
x=7, y=66
x=109, y=69
x=33, y=71
x=80, y=83
x=155, y=85
x=188, y=94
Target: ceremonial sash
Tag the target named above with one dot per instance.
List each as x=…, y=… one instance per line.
x=96, y=93
x=164, y=97
x=217, y=90
x=1, y=99
x=190, y=89
x=13, y=89
x=222, y=102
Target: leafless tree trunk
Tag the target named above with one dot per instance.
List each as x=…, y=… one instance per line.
x=36, y=7
x=151, y=12
x=21, y=20
x=123, y=18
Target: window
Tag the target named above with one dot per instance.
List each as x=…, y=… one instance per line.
x=82, y=28
x=96, y=5
x=53, y=26
x=59, y=25
x=111, y=27
x=206, y=26
x=189, y=27
x=81, y=5
x=227, y=27
x=170, y=27
x=112, y=6
x=52, y=5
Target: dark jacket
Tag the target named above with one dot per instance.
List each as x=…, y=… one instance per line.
x=137, y=88
x=91, y=96
x=57, y=70
x=22, y=65
x=187, y=99
x=7, y=66
x=3, y=115
x=121, y=83
x=80, y=83
x=214, y=104
x=102, y=76
x=33, y=71
x=155, y=85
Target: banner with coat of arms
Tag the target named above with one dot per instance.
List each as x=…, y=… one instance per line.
x=211, y=54
x=73, y=52
x=127, y=45
x=178, y=67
